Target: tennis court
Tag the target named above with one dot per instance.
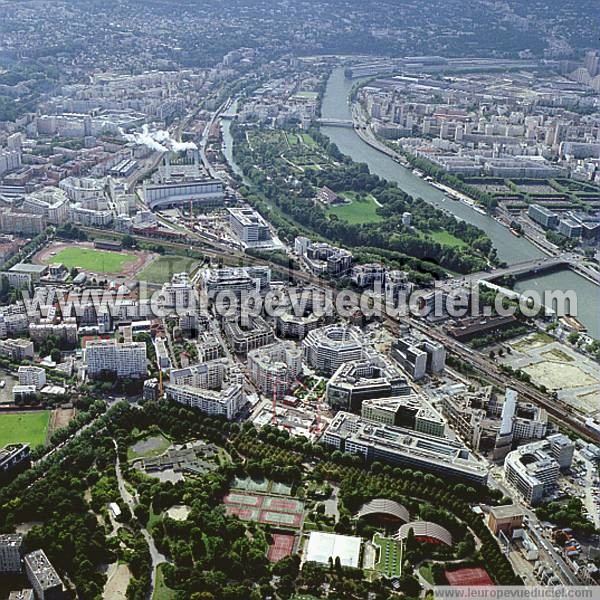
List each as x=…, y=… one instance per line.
x=251, y=485
x=282, y=504
x=282, y=546
x=272, y=510
x=245, y=499
x=246, y=514
x=282, y=519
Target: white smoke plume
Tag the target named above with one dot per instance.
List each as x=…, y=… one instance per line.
x=159, y=139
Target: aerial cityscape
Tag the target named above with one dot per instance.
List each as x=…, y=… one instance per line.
x=299, y=300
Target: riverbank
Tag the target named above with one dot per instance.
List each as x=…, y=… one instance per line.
x=510, y=248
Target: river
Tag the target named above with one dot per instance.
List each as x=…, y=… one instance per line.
x=510, y=248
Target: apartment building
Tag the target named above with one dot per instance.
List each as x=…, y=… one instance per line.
x=124, y=360
x=29, y=375
x=11, y=548
x=274, y=368
x=42, y=576
x=226, y=402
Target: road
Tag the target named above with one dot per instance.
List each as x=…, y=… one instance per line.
x=156, y=557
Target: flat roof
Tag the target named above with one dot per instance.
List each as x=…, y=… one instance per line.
x=323, y=545
x=507, y=511
x=28, y=268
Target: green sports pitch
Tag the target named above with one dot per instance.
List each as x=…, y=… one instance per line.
x=162, y=268
x=24, y=427
x=390, y=556
x=90, y=259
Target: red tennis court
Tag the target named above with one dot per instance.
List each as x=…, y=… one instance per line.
x=468, y=577
x=282, y=546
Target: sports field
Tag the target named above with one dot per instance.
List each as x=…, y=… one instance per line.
x=278, y=511
x=390, y=556
x=282, y=546
x=162, y=269
x=362, y=209
x=24, y=427
x=90, y=259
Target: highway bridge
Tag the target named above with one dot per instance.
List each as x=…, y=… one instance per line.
x=336, y=123
x=521, y=269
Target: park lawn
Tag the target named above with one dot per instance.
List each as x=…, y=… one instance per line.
x=153, y=518
x=24, y=427
x=161, y=269
x=308, y=140
x=148, y=447
x=90, y=259
x=447, y=239
x=161, y=591
x=360, y=210
x=426, y=573
x=307, y=94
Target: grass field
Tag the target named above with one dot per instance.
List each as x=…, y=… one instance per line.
x=360, y=210
x=426, y=573
x=25, y=427
x=154, y=445
x=390, y=556
x=90, y=259
x=443, y=237
x=306, y=94
x=163, y=268
x=161, y=591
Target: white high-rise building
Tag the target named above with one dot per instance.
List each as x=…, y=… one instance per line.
x=125, y=360
x=29, y=375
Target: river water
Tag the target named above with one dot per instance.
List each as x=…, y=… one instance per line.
x=510, y=248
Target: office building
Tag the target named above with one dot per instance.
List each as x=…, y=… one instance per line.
x=183, y=192
x=235, y=281
x=290, y=325
x=360, y=380
x=419, y=356
x=533, y=469
x=405, y=411
x=570, y=228
x=401, y=447
x=327, y=348
x=248, y=225
x=546, y=218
